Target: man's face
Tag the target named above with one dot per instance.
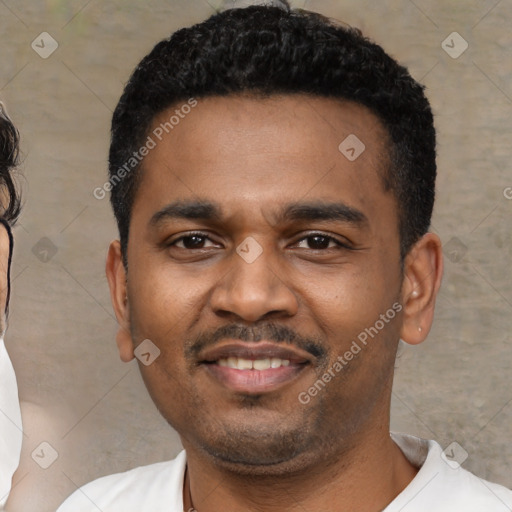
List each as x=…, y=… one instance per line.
x=254, y=270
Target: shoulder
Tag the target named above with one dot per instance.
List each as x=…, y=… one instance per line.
x=11, y=427
x=442, y=484
x=153, y=488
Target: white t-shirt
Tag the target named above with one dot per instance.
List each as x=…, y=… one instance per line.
x=11, y=433
x=439, y=486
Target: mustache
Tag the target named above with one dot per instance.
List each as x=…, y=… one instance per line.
x=267, y=331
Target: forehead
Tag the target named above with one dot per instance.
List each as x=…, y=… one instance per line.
x=252, y=151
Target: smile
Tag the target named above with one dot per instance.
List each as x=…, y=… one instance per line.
x=248, y=364
x=254, y=367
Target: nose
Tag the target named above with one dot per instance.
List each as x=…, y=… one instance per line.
x=254, y=290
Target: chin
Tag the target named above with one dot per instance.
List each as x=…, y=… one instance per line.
x=262, y=467
x=263, y=451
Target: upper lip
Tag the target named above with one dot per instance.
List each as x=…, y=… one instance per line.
x=254, y=350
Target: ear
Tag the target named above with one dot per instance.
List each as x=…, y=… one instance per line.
x=5, y=245
x=116, y=275
x=423, y=271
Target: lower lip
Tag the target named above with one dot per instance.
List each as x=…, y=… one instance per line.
x=254, y=381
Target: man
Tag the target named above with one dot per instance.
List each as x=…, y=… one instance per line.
x=10, y=417
x=273, y=176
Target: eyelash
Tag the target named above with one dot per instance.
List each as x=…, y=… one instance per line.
x=200, y=234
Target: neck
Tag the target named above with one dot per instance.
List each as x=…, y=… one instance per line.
x=367, y=477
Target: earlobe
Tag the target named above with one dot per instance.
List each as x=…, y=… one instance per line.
x=116, y=276
x=423, y=270
x=124, y=345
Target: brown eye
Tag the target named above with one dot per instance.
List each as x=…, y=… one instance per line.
x=318, y=241
x=191, y=241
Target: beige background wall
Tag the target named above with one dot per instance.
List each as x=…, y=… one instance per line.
x=91, y=408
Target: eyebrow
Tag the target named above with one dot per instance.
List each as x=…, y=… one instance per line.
x=193, y=210
x=298, y=211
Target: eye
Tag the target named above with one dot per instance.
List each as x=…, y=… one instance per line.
x=314, y=241
x=319, y=241
x=190, y=241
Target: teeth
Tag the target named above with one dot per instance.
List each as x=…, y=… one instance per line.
x=248, y=364
x=244, y=364
x=261, y=364
x=275, y=362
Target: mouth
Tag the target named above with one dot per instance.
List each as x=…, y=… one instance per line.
x=254, y=367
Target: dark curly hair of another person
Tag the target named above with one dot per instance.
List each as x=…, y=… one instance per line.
x=10, y=200
x=266, y=50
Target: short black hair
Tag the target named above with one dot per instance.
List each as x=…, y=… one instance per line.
x=268, y=50
x=10, y=198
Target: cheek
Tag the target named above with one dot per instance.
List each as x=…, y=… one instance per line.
x=162, y=299
x=350, y=301
x=163, y=306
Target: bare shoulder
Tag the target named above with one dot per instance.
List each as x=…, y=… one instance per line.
x=39, y=484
